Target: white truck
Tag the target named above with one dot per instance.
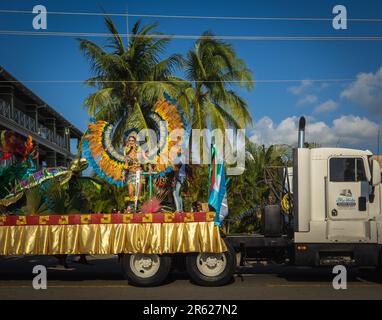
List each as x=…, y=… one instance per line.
x=336, y=217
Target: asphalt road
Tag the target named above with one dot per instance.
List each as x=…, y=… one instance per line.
x=102, y=280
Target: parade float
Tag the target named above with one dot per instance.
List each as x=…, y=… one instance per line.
x=145, y=235
x=341, y=224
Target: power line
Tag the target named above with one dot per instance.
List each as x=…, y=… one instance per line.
x=185, y=81
x=193, y=17
x=190, y=37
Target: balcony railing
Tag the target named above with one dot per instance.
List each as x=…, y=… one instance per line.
x=23, y=120
x=61, y=141
x=5, y=109
x=29, y=123
x=48, y=134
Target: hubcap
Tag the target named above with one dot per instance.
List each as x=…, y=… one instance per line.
x=144, y=265
x=211, y=264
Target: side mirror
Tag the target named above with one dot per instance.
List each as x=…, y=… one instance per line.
x=375, y=173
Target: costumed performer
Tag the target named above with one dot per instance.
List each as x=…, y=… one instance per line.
x=133, y=168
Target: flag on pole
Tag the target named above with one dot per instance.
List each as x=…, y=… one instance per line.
x=217, y=188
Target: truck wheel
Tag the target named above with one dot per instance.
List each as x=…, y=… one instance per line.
x=211, y=269
x=145, y=270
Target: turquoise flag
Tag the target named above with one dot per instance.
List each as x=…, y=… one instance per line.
x=218, y=190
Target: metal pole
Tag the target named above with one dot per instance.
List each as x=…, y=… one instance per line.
x=137, y=185
x=151, y=185
x=301, y=132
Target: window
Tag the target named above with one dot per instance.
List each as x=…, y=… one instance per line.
x=347, y=170
x=361, y=173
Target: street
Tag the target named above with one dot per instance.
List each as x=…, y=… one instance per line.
x=102, y=279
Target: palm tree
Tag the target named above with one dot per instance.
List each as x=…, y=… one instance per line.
x=130, y=77
x=213, y=68
x=260, y=160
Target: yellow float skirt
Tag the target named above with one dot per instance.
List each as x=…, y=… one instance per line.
x=157, y=233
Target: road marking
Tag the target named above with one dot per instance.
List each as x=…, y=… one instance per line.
x=66, y=286
x=271, y=285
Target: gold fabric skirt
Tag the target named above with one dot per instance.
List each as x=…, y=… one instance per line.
x=111, y=238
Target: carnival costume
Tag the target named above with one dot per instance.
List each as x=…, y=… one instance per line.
x=132, y=165
x=110, y=164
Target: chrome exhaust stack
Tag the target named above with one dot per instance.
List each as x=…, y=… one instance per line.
x=301, y=132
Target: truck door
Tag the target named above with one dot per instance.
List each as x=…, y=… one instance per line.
x=348, y=200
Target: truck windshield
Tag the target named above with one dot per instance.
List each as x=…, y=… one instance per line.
x=347, y=170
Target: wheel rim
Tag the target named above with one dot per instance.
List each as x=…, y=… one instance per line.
x=211, y=264
x=144, y=265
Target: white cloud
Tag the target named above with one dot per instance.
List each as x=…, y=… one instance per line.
x=366, y=91
x=267, y=132
x=324, y=85
x=329, y=105
x=347, y=131
x=308, y=99
x=297, y=90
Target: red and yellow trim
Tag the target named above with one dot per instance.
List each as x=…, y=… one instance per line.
x=80, y=219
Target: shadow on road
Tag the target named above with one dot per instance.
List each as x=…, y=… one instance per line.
x=20, y=268
x=108, y=268
x=308, y=274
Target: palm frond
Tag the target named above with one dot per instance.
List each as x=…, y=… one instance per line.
x=116, y=40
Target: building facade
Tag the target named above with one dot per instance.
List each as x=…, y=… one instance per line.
x=25, y=113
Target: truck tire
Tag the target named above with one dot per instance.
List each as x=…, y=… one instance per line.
x=212, y=269
x=145, y=270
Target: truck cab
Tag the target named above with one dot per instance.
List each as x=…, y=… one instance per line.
x=337, y=207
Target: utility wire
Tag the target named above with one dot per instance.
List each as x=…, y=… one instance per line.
x=193, y=17
x=192, y=37
x=183, y=81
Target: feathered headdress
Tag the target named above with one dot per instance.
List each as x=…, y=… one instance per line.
x=108, y=163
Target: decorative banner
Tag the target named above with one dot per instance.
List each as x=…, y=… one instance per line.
x=76, y=219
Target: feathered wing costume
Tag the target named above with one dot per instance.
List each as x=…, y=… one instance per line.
x=108, y=163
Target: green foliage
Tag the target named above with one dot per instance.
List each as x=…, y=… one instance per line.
x=67, y=198
x=195, y=188
x=53, y=197
x=212, y=69
x=129, y=78
x=9, y=176
x=106, y=198
x=252, y=188
x=35, y=204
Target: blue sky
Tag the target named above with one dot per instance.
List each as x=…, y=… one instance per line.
x=345, y=113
